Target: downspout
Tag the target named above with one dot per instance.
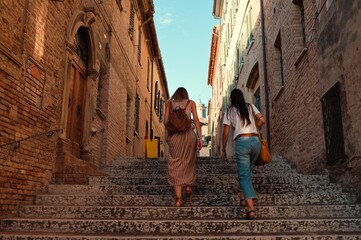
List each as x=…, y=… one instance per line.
x=151, y=102
x=265, y=75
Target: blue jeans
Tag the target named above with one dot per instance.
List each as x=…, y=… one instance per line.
x=247, y=151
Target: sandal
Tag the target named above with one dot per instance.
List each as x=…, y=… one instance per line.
x=189, y=189
x=179, y=202
x=250, y=215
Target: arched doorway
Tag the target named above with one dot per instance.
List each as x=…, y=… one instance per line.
x=77, y=92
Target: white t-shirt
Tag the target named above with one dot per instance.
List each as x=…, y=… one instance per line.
x=234, y=119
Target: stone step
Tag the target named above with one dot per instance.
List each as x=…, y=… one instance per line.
x=193, y=200
x=184, y=227
x=159, y=171
x=198, y=189
x=200, y=160
x=204, y=165
x=228, y=179
x=171, y=212
x=72, y=236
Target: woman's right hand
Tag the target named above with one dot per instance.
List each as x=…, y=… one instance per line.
x=199, y=145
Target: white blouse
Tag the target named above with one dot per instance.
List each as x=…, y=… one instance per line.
x=234, y=119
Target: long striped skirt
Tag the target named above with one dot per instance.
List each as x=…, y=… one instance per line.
x=181, y=158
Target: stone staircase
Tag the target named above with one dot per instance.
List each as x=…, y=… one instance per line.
x=136, y=202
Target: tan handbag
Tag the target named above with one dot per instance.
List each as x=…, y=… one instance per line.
x=265, y=156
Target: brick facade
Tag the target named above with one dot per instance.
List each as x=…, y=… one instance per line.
x=40, y=62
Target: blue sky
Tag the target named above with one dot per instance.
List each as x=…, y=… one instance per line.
x=184, y=30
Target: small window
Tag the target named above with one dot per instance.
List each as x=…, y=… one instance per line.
x=279, y=58
x=156, y=97
x=139, y=46
x=148, y=74
x=131, y=29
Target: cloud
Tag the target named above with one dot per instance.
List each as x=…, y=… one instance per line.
x=166, y=19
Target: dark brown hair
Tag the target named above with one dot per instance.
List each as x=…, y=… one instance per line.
x=237, y=101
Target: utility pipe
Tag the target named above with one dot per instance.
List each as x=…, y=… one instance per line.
x=265, y=75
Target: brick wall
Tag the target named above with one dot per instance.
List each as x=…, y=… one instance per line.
x=297, y=128
x=35, y=53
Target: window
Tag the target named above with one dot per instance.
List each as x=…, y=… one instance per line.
x=131, y=29
x=332, y=121
x=139, y=45
x=156, y=97
x=148, y=74
x=137, y=109
x=161, y=110
x=300, y=22
x=279, y=59
x=158, y=103
x=81, y=45
x=249, y=28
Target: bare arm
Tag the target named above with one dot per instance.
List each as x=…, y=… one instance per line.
x=260, y=119
x=196, y=121
x=166, y=111
x=224, y=140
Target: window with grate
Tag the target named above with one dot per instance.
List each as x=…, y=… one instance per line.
x=332, y=122
x=139, y=45
x=131, y=29
x=81, y=45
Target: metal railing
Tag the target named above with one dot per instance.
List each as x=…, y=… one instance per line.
x=16, y=143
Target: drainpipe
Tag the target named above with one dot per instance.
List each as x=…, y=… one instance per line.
x=151, y=102
x=265, y=75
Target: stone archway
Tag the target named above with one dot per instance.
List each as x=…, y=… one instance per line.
x=81, y=71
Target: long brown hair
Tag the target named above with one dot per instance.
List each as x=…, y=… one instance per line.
x=180, y=94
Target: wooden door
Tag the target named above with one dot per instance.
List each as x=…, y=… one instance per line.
x=75, y=120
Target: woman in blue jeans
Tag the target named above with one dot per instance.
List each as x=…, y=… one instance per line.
x=241, y=116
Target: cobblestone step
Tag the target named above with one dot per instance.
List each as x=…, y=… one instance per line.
x=229, y=179
x=205, y=212
x=203, y=165
x=184, y=227
x=162, y=171
x=136, y=202
x=198, y=189
x=62, y=236
x=194, y=200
